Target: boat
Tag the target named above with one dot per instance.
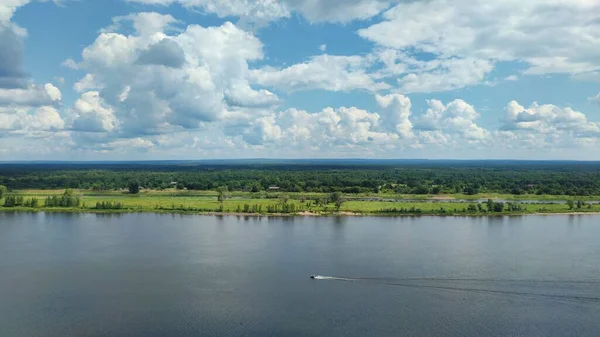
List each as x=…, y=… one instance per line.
x=312, y=277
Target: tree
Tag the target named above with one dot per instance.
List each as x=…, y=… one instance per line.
x=571, y=204
x=284, y=198
x=470, y=190
x=2, y=190
x=338, y=204
x=472, y=208
x=335, y=196
x=490, y=205
x=421, y=190
x=222, y=196
x=579, y=204
x=134, y=187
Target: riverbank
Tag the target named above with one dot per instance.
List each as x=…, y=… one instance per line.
x=299, y=214
x=294, y=204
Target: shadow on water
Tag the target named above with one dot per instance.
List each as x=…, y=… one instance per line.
x=109, y=215
x=339, y=222
x=495, y=221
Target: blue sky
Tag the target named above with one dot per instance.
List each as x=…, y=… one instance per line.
x=193, y=79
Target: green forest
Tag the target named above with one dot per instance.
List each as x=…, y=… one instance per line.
x=421, y=178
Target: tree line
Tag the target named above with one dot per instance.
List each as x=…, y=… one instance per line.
x=568, y=179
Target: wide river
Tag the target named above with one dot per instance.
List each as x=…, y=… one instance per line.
x=172, y=275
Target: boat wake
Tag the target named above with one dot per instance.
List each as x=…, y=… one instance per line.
x=461, y=284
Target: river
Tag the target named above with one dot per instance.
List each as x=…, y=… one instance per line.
x=174, y=275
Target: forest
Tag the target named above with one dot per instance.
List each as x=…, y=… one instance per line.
x=349, y=177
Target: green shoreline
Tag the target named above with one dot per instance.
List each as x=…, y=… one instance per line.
x=303, y=214
x=297, y=204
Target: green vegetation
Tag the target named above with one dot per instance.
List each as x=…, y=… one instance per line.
x=134, y=187
x=174, y=201
x=407, y=188
x=469, y=179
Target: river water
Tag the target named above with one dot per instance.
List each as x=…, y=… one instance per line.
x=172, y=275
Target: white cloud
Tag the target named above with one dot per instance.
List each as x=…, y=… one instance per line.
x=11, y=47
x=595, y=99
x=92, y=114
x=86, y=83
x=263, y=130
x=339, y=130
x=327, y=72
x=330, y=128
x=8, y=8
x=156, y=83
x=323, y=47
x=263, y=11
x=126, y=144
x=144, y=23
x=550, y=121
x=551, y=36
x=24, y=120
x=241, y=94
x=71, y=64
x=441, y=122
x=33, y=96
x=52, y=92
x=396, y=114
x=445, y=75
x=512, y=78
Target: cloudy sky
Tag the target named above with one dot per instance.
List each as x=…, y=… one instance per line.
x=194, y=79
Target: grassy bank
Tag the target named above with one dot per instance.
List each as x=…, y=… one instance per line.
x=205, y=202
x=306, y=195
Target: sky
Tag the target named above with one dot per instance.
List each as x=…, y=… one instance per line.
x=202, y=79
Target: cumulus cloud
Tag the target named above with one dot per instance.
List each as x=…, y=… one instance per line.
x=86, y=83
x=445, y=75
x=329, y=128
x=45, y=118
x=11, y=47
x=91, y=114
x=33, y=96
x=550, y=36
x=139, y=143
x=397, y=113
x=549, y=120
x=442, y=121
x=392, y=128
x=153, y=82
x=165, y=52
x=145, y=23
x=327, y=72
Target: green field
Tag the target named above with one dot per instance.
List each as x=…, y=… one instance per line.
x=174, y=201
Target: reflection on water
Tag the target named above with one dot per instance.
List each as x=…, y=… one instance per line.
x=176, y=275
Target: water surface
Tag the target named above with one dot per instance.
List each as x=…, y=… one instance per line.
x=173, y=275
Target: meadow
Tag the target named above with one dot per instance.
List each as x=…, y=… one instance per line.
x=178, y=201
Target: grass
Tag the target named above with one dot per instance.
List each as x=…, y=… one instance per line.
x=173, y=201
x=307, y=195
